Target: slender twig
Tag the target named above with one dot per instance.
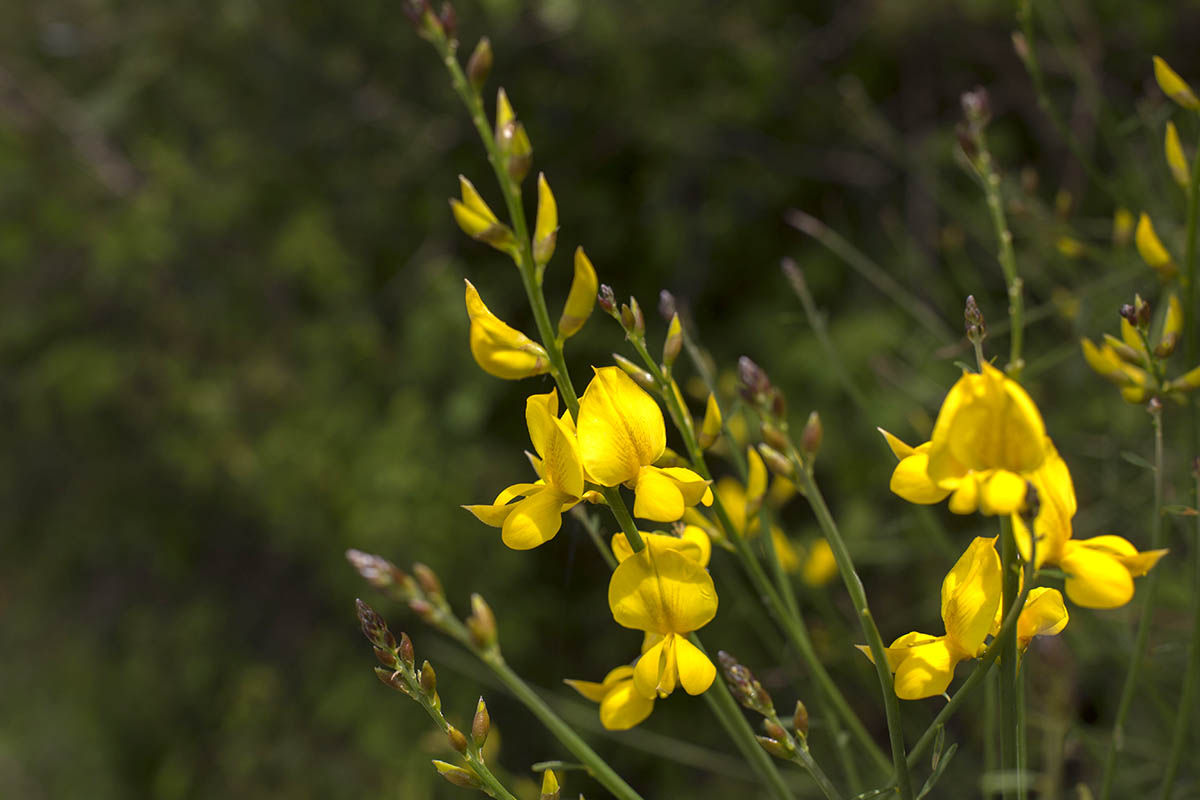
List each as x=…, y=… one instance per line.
x=1010, y=697
x=1117, y=742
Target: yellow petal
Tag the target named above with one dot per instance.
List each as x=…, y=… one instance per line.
x=987, y=421
x=1122, y=227
x=1095, y=577
x=897, y=651
x=1151, y=249
x=966, y=496
x=620, y=428
x=703, y=542
x=696, y=671
x=926, y=671
x=555, y=443
x=710, y=428
x=501, y=507
x=1003, y=493
x=733, y=499
x=540, y=412
x=1056, y=506
x=472, y=200
x=623, y=708
x=688, y=547
x=581, y=299
x=661, y=591
x=1176, y=160
x=971, y=595
x=785, y=551
x=911, y=480
x=590, y=689
x=820, y=567
x=756, y=481
x=1044, y=614
x=500, y=349
x=899, y=448
x=655, y=673
x=545, y=230
x=536, y=519
x=662, y=493
x=1174, y=86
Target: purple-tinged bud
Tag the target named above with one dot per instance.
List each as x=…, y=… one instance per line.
x=479, y=65
x=387, y=658
x=977, y=107
x=744, y=687
x=774, y=730
x=422, y=608
x=1129, y=314
x=449, y=19
x=975, y=325
x=428, y=581
x=666, y=305
x=773, y=747
x=481, y=725
x=607, y=301
x=756, y=386
x=777, y=462
x=1141, y=312
x=810, y=439
x=775, y=436
x=393, y=680
x=407, y=656
x=1155, y=406
x=673, y=343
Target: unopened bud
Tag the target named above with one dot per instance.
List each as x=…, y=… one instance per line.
x=666, y=304
x=774, y=747
x=482, y=623
x=457, y=740
x=777, y=462
x=457, y=775
x=745, y=688
x=449, y=19
x=810, y=439
x=710, y=428
x=428, y=581
x=479, y=66
x=428, y=679
x=774, y=436
x=1154, y=406
x=550, y=789
x=422, y=608
x=756, y=386
x=406, y=650
x=393, y=679
x=774, y=730
x=607, y=301
x=640, y=376
x=481, y=725
x=387, y=658
x=975, y=324
x=800, y=720
x=1141, y=312
x=977, y=107
x=520, y=154
x=674, y=342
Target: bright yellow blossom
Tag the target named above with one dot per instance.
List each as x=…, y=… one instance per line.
x=662, y=592
x=621, y=707
x=536, y=517
x=692, y=542
x=499, y=349
x=621, y=435
x=924, y=664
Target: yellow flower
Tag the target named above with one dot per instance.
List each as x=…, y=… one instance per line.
x=662, y=592
x=500, y=349
x=820, y=566
x=988, y=438
x=536, y=517
x=621, y=435
x=621, y=707
x=924, y=664
x=1043, y=614
x=692, y=542
x=1100, y=570
x=1151, y=249
x=1107, y=362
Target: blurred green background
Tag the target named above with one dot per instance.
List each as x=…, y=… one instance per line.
x=233, y=345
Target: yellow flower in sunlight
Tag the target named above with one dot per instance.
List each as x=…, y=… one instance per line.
x=621, y=435
x=662, y=592
x=988, y=438
x=536, y=517
x=499, y=349
x=924, y=664
x=1100, y=570
x=621, y=707
x=692, y=542
x=1044, y=614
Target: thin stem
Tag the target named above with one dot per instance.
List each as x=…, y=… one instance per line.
x=1188, y=279
x=1010, y=697
x=990, y=180
x=804, y=758
x=792, y=624
x=1186, y=714
x=591, y=524
x=858, y=597
x=1117, y=742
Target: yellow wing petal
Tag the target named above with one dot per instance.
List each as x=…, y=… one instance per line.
x=661, y=591
x=623, y=708
x=620, y=428
x=971, y=595
x=696, y=671
x=536, y=519
x=926, y=671
x=1095, y=577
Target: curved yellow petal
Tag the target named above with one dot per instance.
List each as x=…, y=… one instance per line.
x=1095, y=577
x=785, y=551
x=499, y=349
x=696, y=670
x=590, y=689
x=581, y=298
x=536, y=519
x=1176, y=160
x=971, y=595
x=899, y=449
x=662, y=493
x=710, y=428
x=911, y=481
x=1003, y=493
x=662, y=591
x=654, y=674
x=756, y=480
x=620, y=428
x=1151, y=248
x=733, y=498
x=897, y=651
x=703, y=542
x=689, y=548
x=965, y=498
x=820, y=567
x=1044, y=614
x=1174, y=86
x=623, y=708
x=926, y=670
x=540, y=412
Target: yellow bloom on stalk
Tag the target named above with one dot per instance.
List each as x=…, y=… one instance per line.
x=666, y=594
x=1151, y=249
x=621, y=707
x=692, y=542
x=924, y=664
x=988, y=438
x=536, y=515
x=621, y=435
x=499, y=349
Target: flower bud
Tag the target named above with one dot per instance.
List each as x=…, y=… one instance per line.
x=422, y=608
x=582, y=297
x=773, y=747
x=428, y=679
x=392, y=680
x=673, y=343
x=1187, y=382
x=406, y=650
x=744, y=687
x=481, y=725
x=1174, y=86
x=479, y=65
x=800, y=720
x=810, y=438
x=774, y=436
x=608, y=301
x=1176, y=160
x=550, y=788
x=457, y=775
x=498, y=348
x=545, y=230
x=666, y=304
x=387, y=658
x=975, y=324
x=777, y=462
x=710, y=428
x=640, y=376
x=774, y=730
x=1172, y=329
x=756, y=483
x=428, y=581
x=756, y=386
x=457, y=740
x=520, y=153
x=1151, y=249
x=481, y=623
x=632, y=319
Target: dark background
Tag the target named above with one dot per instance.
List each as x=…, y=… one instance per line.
x=232, y=344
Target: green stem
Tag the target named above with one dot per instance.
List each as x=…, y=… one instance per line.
x=591, y=524
x=792, y=624
x=804, y=758
x=1008, y=262
x=1010, y=696
x=1117, y=742
x=1186, y=714
x=858, y=597
x=1188, y=279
